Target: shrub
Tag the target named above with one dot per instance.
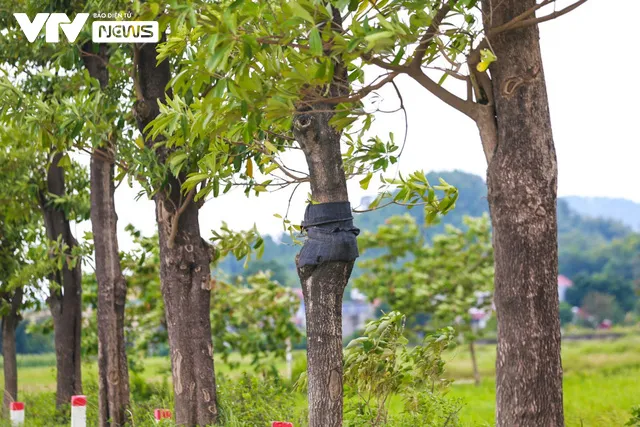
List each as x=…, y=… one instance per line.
x=379, y=365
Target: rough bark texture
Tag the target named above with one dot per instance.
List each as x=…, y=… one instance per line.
x=113, y=373
x=65, y=296
x=522, y=183
x=323, y=285
x=9, y=324
x=184, y=270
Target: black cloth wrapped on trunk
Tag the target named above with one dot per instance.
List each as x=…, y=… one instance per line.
x=331, y=235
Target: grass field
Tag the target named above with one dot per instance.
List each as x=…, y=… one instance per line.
x=601, y=383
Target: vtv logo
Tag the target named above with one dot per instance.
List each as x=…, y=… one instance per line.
x=53, y=20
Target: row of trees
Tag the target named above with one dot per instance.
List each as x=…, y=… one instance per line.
x=231, y=87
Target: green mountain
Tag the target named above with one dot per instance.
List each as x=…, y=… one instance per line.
x=622, y=210
x=576, y=233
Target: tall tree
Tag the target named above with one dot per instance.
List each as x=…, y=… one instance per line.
x=274, y=91
x=184, y=260
x=522, y=182
x=112, y=288
x=65, y=295
x=510, y=108
x=326, y=260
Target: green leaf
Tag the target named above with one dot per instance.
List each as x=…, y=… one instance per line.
x=315, y=42
x=301, y=12
x=65, y=161
x=364, y=182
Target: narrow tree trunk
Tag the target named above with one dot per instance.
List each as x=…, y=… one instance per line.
x=323, y=284
x=184, y=269
x=474, y=363
x=113, y=381
x=113, y=373
x=325, y=278
x=9, y=324
x=65, y=296
x=522, y=183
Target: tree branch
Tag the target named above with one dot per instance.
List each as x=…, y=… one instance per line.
x=444, y=95
x=357, y=96
x=520, y=21
x=421, y=50
x=382, y=64
x=176, y=217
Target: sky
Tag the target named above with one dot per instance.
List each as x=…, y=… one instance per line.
x=590, y=67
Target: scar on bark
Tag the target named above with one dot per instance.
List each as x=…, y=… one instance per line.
x=113, y=377
x=335, y=385
x=177, y=364
x=511, y=84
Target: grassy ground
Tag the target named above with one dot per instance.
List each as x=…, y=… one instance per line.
x=601, y=381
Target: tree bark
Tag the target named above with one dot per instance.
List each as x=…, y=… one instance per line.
x=113, y=373
x=184, y=268
x=9, y=324
x=65, y=295
x=323, y=284
x=522, y=191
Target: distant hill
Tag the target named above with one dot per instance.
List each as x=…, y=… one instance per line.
x=576, y=232
x=622, y=210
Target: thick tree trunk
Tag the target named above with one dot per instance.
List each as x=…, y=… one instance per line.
x=9, y=324
x=113, y=373
x=184, y=270
x=323, y=284
x=65, y=297
x=522, y=183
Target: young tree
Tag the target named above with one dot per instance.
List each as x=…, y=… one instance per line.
x=445, y=279
x=509, y=106
x=270, y=81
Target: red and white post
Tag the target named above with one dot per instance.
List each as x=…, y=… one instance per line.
x=79, y=411
x=281, y=424
x=162, y=414
x=16, y=413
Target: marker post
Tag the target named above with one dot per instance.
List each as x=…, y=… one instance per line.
x=16, y=413
x=79, y=411
x=161, y=414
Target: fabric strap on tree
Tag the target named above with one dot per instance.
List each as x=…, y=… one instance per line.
x=331, y=235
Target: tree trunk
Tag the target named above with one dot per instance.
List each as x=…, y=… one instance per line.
x=9, y=324
x=184, y=269
x=113, y=373
x=323, y=284
x=474, y=363
x=522, y=184
x=326, y=260
x=65, y=296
